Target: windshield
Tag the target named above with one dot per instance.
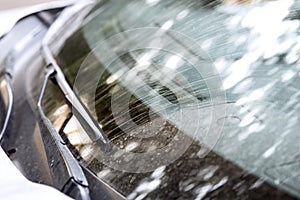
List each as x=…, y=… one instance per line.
x=199, y=98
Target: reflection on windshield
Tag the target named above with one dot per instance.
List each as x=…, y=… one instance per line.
x=3, y=101
x=148, y=98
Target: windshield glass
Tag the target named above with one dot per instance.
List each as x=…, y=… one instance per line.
x=199, y=98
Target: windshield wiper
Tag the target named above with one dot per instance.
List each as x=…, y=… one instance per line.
x=77, y=181
x=88, y=123
x=77, y=184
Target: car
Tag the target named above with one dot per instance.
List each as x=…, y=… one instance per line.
x=150, y=99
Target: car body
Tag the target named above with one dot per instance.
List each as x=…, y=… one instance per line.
x=155, y=100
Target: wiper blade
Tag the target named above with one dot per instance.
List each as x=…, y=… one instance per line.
x=78, y=109
x=77, y=181
x=88, y=123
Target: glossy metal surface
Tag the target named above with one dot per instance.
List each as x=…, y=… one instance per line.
x=9, y=105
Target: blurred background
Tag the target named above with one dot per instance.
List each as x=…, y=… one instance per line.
x=12, y=10
x=10, y=4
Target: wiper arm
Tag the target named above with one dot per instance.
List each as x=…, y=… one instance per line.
x=77, y=179
x=88, y=123
x=78, y=109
